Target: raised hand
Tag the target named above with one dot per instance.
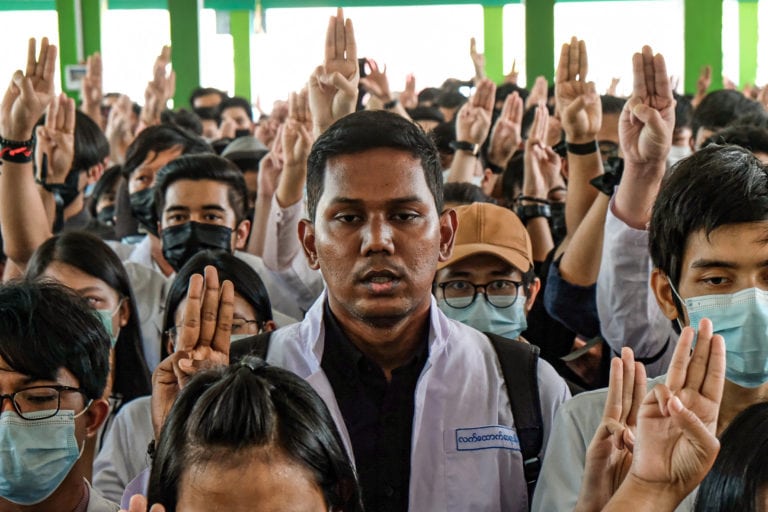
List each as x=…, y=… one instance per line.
x=92, y=91
x=511, y=77
x=203, y=341
x=610, y=453
x=29, y=93
x=505, y=135
x=333, y=85
x=56, y=139
x=409, y=98
x=702, y=85
x=474, y=118
x=119, y=130
x=541, y=163
x=297, y=138
x=538, y=94
x=478, y=59
x=159, y=90
x=577, y=100
x=611, y=91
x=676, y=442
x=376, y=82
x=648, y=118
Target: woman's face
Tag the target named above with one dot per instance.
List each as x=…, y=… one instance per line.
x=275, y=484
x=98, y=293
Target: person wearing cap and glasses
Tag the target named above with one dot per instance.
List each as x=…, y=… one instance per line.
x=488, y=283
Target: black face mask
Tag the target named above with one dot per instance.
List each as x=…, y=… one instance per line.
x=182, y=242
x=143, y=209
x=107, y=215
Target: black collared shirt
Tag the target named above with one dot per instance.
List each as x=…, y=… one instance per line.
x=378, y=415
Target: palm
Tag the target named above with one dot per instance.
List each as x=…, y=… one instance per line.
x=578, y=121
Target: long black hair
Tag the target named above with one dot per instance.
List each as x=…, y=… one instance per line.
x=89, y=254
x=247, y=405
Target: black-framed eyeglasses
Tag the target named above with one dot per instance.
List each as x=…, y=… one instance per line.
x=42, y=402
x=500, y=293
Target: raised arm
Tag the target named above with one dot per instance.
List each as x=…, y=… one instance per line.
x=473, y=122
x=28, y=95
x=333, y=84
x=478, y=60
x=505, y=134
x=377, y=84
x=159, y=90
x=92, y=92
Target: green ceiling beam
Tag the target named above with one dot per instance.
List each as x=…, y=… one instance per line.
x=703, y=41
x=241, y=28
x=493, y=45
x=747, y=42
x=185, y=45
x=70, y=39
x=539, y=40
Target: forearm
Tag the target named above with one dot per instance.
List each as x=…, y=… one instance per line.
x=541, y=237
x=259, y=225
x=462, y=168
x=22, y=214
x=639, y=496
x=581, y=194
x=637, y=192
x=290, y=187
x=580, y=264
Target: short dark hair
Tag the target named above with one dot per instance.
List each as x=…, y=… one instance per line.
x=683, y=111
x=716, y=186
x=160, y=138
x=251, y=405
x=236, y=102
x=91, y=145
x=465, y=193
x=205, y=91
x=719, y=108
x=442, y=135
x=45, y=327
x=244, y=278
x=611, y=104
x=504, y=90
x=208, y=114
x=89, y=254
x=748, y=137
x=203, y=167
x=371, y=129
x=739, y=473
x=183, y=118
x=108, y=180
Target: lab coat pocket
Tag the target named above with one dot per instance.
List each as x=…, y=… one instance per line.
x=483, y=469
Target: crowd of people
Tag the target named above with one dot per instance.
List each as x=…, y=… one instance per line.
x=368, y=299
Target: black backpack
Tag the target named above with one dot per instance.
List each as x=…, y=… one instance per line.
x=519, y=366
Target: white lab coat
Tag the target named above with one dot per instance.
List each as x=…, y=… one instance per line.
x=460, y=399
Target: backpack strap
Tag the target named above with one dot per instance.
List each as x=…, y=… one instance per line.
x=519, y=366
x=256, y=345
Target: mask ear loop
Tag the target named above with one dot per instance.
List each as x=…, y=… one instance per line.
x=679, y=302
x=82, y=448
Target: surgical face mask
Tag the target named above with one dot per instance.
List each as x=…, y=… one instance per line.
x=36, y=456
x=557, y=221
x=677, y=153
x=106, y=317
x=237, y=337
x=508, y=322
x=741, y=318
x=182, y=242
x=143, y=209
x=107, y=215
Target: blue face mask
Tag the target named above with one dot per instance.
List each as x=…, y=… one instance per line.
x=741, y=318
x=508, y=322
x=35, y=456
x=106, y=316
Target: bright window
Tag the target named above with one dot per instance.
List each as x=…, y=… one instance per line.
x=18, y=27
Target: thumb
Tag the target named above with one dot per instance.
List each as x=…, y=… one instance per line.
x=342, y=83
x=693, y=428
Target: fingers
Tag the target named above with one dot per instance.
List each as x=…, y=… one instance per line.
x=695, y=430
x=52, y=115
x=224, y=321
x=678, y=366
x=639, y=390
x=639, y=88
x=561, y=75
x=484, y=95
x=650, y=84
x=613, y=402
x=330, y=40
x=138, y=503
x=697, y=367
x=190, y=331
x=574, y=52
x=516, y=114
x=661, y=79
x=68, y=123
x=714, y=379
x=31, y=61
x=472, y=46
x=661, y=394
x=339, y=39
x=583, y=63
x=351, y=45
x=627, y=392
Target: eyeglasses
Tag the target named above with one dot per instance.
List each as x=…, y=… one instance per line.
x=500, y=293
x=41, y=402
x=239, y=326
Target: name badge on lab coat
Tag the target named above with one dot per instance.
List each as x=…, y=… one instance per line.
x=486, y=438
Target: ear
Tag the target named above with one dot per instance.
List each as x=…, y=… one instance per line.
x=664, y=295
x=96, y=416
x=533, y=291
x=269, y=326
x=241, y=234
x=125, y=312
x=94, y=173
x=449, y=222
x=307, y=237
x=488, y=182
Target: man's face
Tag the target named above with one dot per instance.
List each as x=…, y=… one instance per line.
x=143, y=177
x=732, y=258
x=204, y=201
x=210, y=129
x=207, y=101
x=377, y=236
x=482, y=269
x=238, y=117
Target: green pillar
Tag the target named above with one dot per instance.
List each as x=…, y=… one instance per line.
x=703, y=41
x=185, y=47
x=241, y=28
x=493, y=37
x=747, y=41
x=70, y=39
x=540, y=39
x=91, y=16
